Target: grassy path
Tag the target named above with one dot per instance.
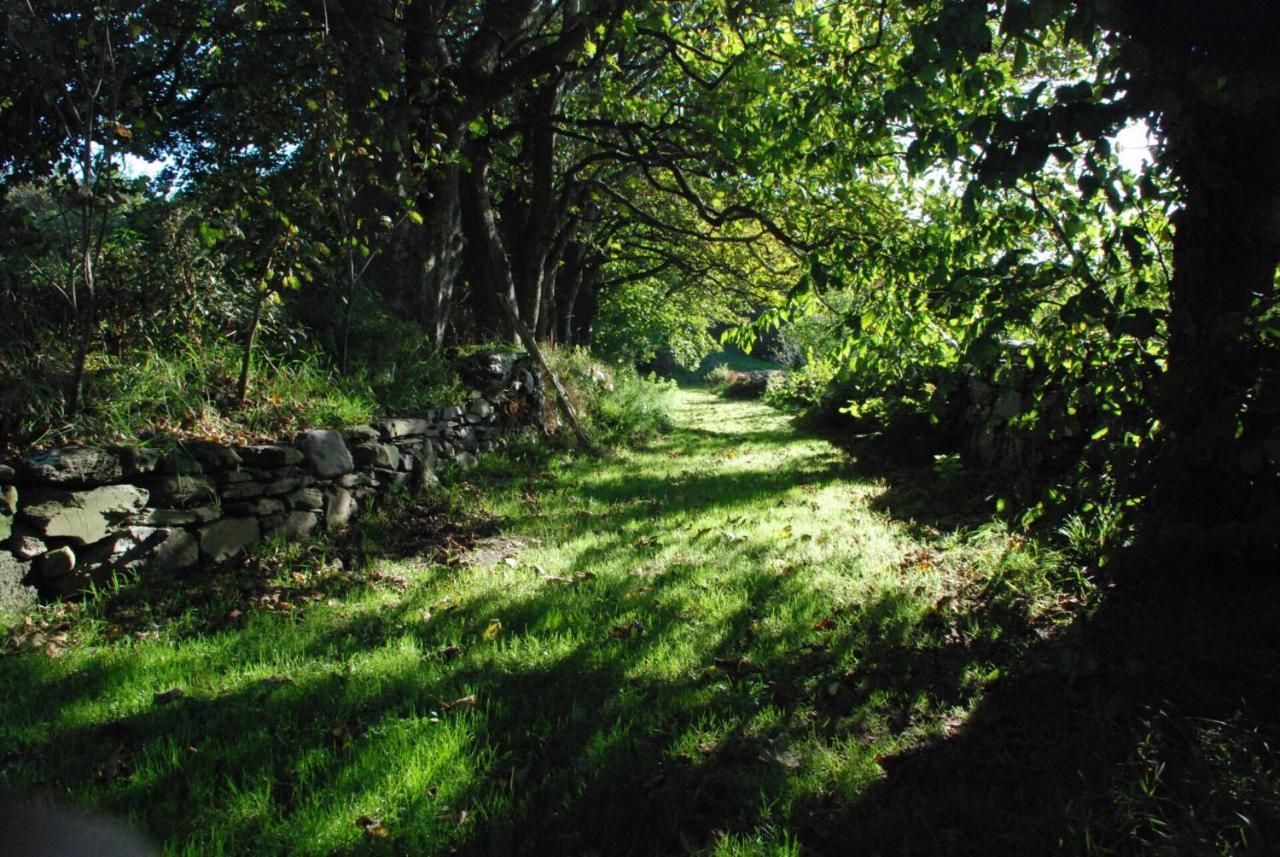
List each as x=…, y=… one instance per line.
x=706, y=645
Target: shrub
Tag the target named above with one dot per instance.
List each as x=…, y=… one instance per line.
x=616, y=403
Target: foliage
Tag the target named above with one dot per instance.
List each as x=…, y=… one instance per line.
x=182, y=392
x=619, y=405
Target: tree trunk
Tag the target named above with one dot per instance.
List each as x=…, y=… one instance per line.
x=251, y=335
x=496, y=269
x=1209, y=500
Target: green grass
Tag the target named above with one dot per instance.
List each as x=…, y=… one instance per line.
x=717, y=643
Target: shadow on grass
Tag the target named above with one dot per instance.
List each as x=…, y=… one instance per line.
x=584, y=748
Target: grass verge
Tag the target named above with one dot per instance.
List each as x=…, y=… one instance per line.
x=726, y=641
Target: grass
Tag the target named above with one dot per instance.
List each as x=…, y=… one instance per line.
x=729, y=641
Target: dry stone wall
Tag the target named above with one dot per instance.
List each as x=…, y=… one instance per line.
x=74, y=516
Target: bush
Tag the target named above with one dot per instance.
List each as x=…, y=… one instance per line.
x=749, y=384
x=616, y=403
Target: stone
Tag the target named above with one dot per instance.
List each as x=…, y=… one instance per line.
x=480, y=408
x=282, y=485
x=182, y=490
x=214, y=456
x=242, y=490
x=360, y=434
x=450, y=413
x=268, y=506
x=425, y=479
x=7, y=474
x=139, y=460
x=231, y=477
x=177, y=549
x=179, y=517
x=84, y=517
x=16, y=595
x=339, y=508
x=228, y=537
x=430, y=459
x=328, y=453
x=56, y=563
x=300, y=524
x=392, y=429
x=8, y=508
x=392, y=477
x=306, y=498
x=128, y=549
x=178, y=462
x=72, y=467
x=377, y=454
x=270, y=455
x=27, y=547
x=407, y=460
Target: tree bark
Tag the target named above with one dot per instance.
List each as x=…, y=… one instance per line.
x=1208, y=499
x=496, y=268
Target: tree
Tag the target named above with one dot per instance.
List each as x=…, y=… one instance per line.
x=1208, y=88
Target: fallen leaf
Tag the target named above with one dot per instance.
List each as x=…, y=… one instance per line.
x=448, y=653
x=625, y=632
x=168, y=696
x=826, y=624
x=494, y=629
x=372, y=826
x=275, y=680
x=468, y=701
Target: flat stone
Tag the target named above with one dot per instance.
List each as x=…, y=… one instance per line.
x=56, y=562
x=179, y=517
x=339, y=508
x=394, y=428
x=306, y=498
x=84, y=517
x=282, y=485
x=407, y=461
x=377, y=454
x=242, y=490
x=231, y=477
x=214, y=456
x=182, y=490
x=480, y=408
x=450, y=413
x=360, y=434
x=74, y=466
x=16, y=595
x=228, y=537
x=392, y=477
x=269, y=455
x=178, y=462
x=327, y=452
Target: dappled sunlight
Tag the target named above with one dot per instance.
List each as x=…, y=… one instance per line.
x=705, y=637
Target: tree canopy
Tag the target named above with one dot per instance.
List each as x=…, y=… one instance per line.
x=935, y=181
